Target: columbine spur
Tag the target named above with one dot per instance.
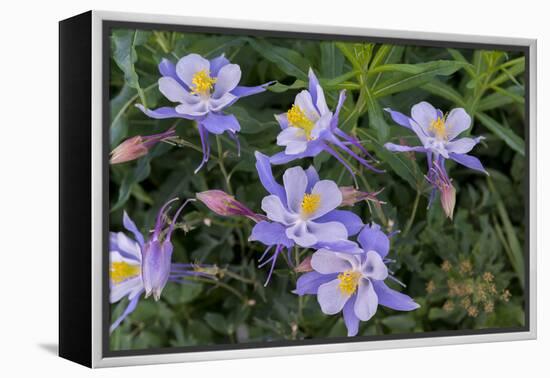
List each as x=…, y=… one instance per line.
x=202, y=89
x=310, y=127
x=354, y=283
x=138, y=266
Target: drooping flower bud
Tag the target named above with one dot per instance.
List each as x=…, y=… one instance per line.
x=350, y=196
x=130, y=149
x=448, y=199
x=226, y=205
x=157, y=253
x=138, y=146
x=437, y=176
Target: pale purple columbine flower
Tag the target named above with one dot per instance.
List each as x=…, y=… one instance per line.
x=303, y=212
x=226, y=205
x=354, y=283
x=438, y=134
x=202, y=89
x=310, y=127
x=138, y=266
x=138, y=146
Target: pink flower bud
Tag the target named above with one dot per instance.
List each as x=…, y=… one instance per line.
x=448, y=200
x=350, y=196
x=138, y=146
x=226, y=205
x=305, y=266
x=129, y=150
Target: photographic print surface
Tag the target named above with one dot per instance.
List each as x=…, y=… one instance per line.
x=279, y=190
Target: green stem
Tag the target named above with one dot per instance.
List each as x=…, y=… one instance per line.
x=129, y=102
x=377, y=207
x=238, y=277
x=413, y=214
x=222, y=166
x=220, y=284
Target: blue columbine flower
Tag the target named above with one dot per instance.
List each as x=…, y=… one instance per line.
x=310, y=127
x=202, y=89
x=354, y=283
x=437, y=133
x=302, y=212
x=138, y=266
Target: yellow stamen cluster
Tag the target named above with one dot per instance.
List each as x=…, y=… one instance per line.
x=121, y=271
x=438, y=127
x=310, y=203
x=297, y=118
x=202, y=82
x=348, y=282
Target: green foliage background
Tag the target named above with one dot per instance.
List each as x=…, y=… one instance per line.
x=474, y=262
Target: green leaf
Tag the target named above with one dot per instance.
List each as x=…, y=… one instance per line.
x=119, y=124
x=509, y=73
x=177, y=294
x=501, y=98
x=349, y=117
x=281, y=88
x=401, y=82
x=287, y=60
x=253, y=122
x=504, y=133
x=358, y=54
x=216, y=322
x=511, y=94
x=332, y=61
x=405, y=68
x=441, y=89
x=511, y=244
x=457, y=55
x=399, y=323
x=336, y=82
x=386, y=54
x=124, y=53
x=214, y=46
x=376, y=117
x=131, y=178
x=403, y=166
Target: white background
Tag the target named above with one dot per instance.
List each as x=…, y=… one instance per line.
x=29, y=189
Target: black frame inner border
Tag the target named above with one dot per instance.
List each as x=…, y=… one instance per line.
x=109, y=25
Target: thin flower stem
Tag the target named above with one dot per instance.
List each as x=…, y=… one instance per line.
x=238, y=277
x=222, y=166
x=377, y=207
x=220, y=284
x=413, y=214
x=297, y=255
x=300, y=308
x=130, y=101
x=230, y=190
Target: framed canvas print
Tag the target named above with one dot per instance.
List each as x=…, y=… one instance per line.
x=235, y=189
